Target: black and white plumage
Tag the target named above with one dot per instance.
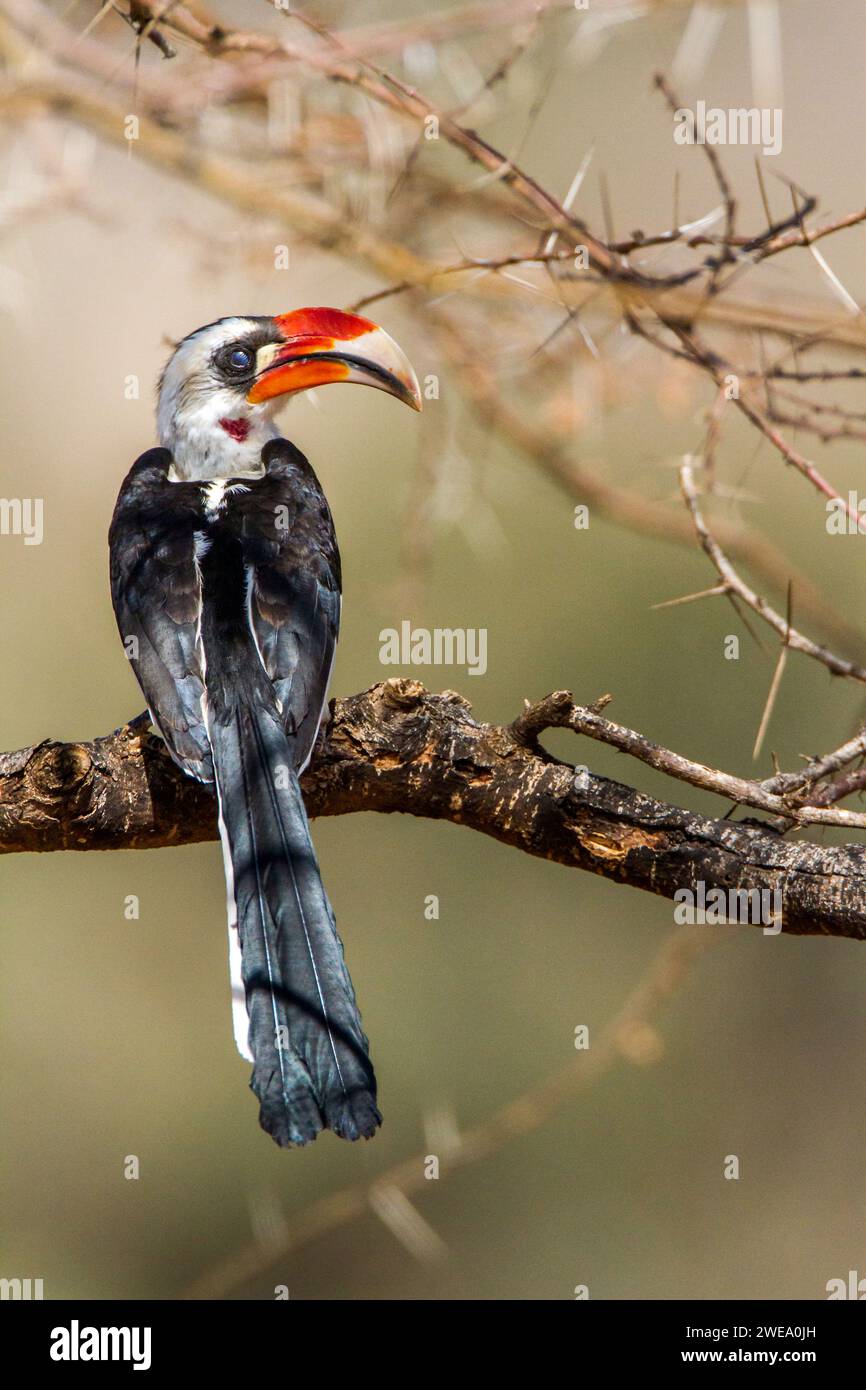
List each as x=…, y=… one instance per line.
x=225, y=578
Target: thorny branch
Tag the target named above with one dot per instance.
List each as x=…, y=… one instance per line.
x=733, y=584
x=398, y=748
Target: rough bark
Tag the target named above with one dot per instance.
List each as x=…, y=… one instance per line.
x=398, y=748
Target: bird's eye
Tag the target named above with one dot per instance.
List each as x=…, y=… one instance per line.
x=240, y=359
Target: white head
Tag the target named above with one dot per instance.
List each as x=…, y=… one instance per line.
x=202, y=413
x=224, y=383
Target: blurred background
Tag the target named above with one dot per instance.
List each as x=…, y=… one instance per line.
x=116, y=1036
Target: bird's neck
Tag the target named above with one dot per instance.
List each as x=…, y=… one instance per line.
x=207, y=450
x=209, y=456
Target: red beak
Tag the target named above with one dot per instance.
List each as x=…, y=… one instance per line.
x=317, y=346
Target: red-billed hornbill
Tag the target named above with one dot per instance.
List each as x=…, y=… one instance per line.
x=225, y=578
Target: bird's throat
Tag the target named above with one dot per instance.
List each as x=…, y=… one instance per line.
x=236, y=429
x=227, y=448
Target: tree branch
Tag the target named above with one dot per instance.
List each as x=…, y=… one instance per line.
x=398, y=748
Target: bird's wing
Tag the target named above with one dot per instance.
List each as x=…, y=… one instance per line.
x=156, y=593
x=293, y=589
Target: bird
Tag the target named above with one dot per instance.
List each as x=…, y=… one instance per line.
x=226, y=587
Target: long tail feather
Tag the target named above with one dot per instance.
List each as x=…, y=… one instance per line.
x=311, y=1068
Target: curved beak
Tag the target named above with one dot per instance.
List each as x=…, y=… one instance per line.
x=317, y=346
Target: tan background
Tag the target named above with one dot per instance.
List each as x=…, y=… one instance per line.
x=116, y=1035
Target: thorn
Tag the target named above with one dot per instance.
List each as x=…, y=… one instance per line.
x=771, y=700
x=762, y=186
x=689, y=598
x=574, y=189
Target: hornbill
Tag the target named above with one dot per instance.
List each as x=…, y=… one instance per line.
x=225, y=579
